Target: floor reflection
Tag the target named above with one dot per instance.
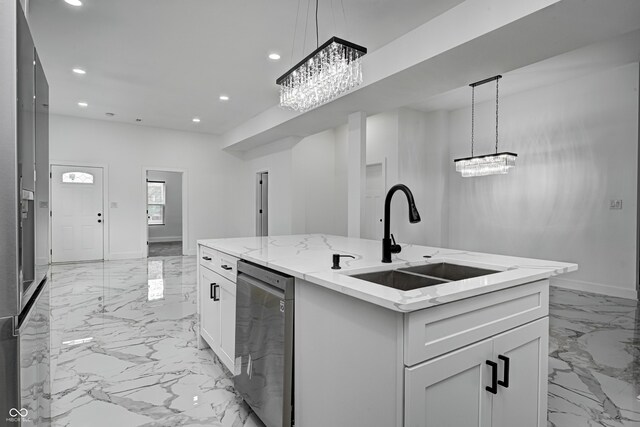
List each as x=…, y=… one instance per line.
x=155, y=279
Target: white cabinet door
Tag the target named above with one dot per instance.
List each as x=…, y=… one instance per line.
x=227, y=322
x=522, y=401
x=210, y=307
x=449, y=391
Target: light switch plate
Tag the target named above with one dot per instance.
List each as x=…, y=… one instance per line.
x=615, y=204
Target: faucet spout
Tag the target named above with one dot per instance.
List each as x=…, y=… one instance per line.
x=387, y=246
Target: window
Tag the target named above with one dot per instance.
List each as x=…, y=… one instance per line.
x=155, y=202
x=77, y=178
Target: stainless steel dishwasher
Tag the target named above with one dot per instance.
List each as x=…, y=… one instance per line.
x=264, y=343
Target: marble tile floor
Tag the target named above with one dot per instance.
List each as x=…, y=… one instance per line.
x=594, y=360
x=165, y=249
x=124, y=352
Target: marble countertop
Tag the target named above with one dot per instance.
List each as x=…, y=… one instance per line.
x=308, y=257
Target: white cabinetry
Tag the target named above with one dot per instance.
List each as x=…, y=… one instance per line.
x=227, y=323
x=209, y=307
x=463, y=388
x=426, y=368
x=217, y=303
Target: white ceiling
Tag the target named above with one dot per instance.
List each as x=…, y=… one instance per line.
x=167, y=61
x=594, y=58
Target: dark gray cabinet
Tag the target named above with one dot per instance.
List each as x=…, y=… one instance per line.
x=41, y=127
x=24, y=222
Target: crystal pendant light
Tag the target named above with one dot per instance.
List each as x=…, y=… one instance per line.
x=488, y=164
x=326, y=73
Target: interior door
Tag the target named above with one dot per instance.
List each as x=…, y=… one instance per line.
x=77, y=216
x=449, y=391
x=519, y=400
x=374, y=202
x=262, y=204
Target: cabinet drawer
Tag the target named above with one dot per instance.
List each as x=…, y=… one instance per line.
x=226, y=266
x=208, y=257
x=435, y=331
x=223, y=264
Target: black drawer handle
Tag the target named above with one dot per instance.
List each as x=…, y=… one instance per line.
x=226, y=267
x=214, y=292
x=206, y=258
x=494, y=377
x=505, y=373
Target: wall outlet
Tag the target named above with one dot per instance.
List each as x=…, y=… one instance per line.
x=615, y=204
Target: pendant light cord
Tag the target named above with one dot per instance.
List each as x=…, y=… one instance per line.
x=473, y=99
x=295, y=33
x=317, y=41
x=497, y=115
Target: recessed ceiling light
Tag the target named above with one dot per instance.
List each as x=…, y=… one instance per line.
x=83, y=104
x=274, y=56
x=196, y=120
x=74, y=2
x=224, y=98
x=79, y=71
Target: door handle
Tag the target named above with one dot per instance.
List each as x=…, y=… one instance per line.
x=226, y=267
x=505, y=373
x=214, y=292
x=206, y=258
x=493, y=388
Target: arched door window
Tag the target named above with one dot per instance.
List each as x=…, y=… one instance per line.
x=77, y=178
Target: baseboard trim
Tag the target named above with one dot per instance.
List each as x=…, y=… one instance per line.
x=596, y=288
x=124, y=255
x=166, y=239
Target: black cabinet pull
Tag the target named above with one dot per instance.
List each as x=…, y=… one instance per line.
x=226, y=267
x=206, y=258
x=214, y=292
x=505, y=373
x=494, y=377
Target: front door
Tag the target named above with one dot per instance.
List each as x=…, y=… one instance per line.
x=77, y=216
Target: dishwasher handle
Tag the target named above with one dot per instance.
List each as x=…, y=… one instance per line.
x=261, y=285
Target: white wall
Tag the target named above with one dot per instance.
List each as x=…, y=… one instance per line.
x=314, y=180
x=171, y=230
x=340, y=182
x=303, y=178
x=577, y=146
x=275, y=159
x=213, y=178
x=422, y=156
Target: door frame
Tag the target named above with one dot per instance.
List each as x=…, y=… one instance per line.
x=185, y=208
x=106, y=218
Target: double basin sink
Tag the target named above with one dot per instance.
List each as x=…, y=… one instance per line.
x=410, y=278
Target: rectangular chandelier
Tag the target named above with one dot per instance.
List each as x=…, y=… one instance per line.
x=489, y=164
x=326, y=73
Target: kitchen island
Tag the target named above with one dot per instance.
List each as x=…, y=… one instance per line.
x=460, y=353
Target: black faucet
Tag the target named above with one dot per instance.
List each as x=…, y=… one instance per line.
x=388, y=247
